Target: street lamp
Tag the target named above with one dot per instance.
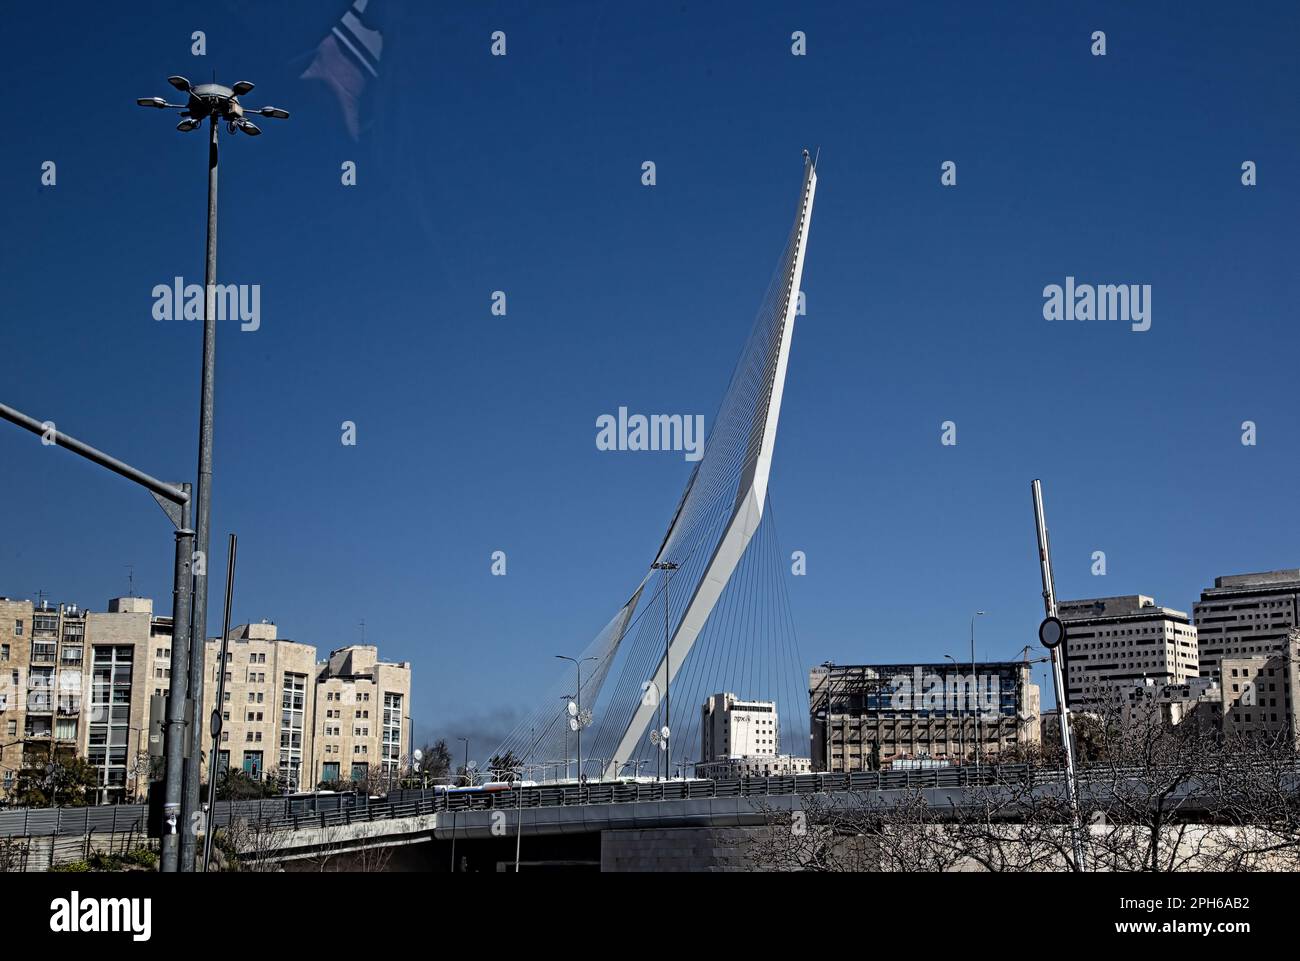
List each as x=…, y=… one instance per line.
x=214, y=103
x=979, y=744
x=666, y=567
x=578, y=719
x=961, y=721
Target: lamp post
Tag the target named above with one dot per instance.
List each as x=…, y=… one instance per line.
x=979, y=744
x=577, y=719
x=212, y=102
x=667, y=567
x=961, y=721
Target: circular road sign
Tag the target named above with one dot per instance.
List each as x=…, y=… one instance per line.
x=1051, y=632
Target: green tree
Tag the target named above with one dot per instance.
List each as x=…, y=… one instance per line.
x=237, y=785
x=67, y=781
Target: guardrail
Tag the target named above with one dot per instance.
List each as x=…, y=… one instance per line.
x=327, y=810
x=412, y=802
x=134, y=818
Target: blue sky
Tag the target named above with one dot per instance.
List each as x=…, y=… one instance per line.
x=522, y=173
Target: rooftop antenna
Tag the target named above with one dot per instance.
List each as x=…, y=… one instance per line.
x=40, y=596
x=130, y=580
x=363, y=630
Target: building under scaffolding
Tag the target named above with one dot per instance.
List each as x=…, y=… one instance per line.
x=867, y=717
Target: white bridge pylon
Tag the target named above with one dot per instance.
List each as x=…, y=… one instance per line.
x=751, y=495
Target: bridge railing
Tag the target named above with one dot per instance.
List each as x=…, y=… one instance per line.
x=328, y=810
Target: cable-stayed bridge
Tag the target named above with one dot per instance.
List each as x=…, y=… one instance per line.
x=711, y=613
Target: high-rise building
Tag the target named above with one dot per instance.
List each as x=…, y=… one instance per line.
x=1246, y=615
x=1115, y=643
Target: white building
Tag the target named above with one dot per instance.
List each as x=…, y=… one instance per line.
x=730, y=727
x=741, y=739
x=1114, y=643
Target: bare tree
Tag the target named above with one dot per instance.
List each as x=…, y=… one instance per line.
x=1156, y=796
x=251, y=844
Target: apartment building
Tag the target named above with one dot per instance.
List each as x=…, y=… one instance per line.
x=127, y=660
x=1115, y=643
x=15, y=642
x=362, y=711
x=305, y=722
x=1246, y=615
x=77, y=682
x=266, y=720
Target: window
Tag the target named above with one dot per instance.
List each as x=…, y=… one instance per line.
x=11, y=728
x=329, y=771
x=293, y=702
x=4, y=652
x=18, y=628
x=392, y=732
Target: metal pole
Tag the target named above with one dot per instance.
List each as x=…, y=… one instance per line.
x=577, y=665
x=177, y=495
x=219, y=704
x=975, y=681
x=203, y=509
x=519, y=814
x=175, y=500
x=175, y=731
x=668, y=686
x=961, y=715
x=1058, y=678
